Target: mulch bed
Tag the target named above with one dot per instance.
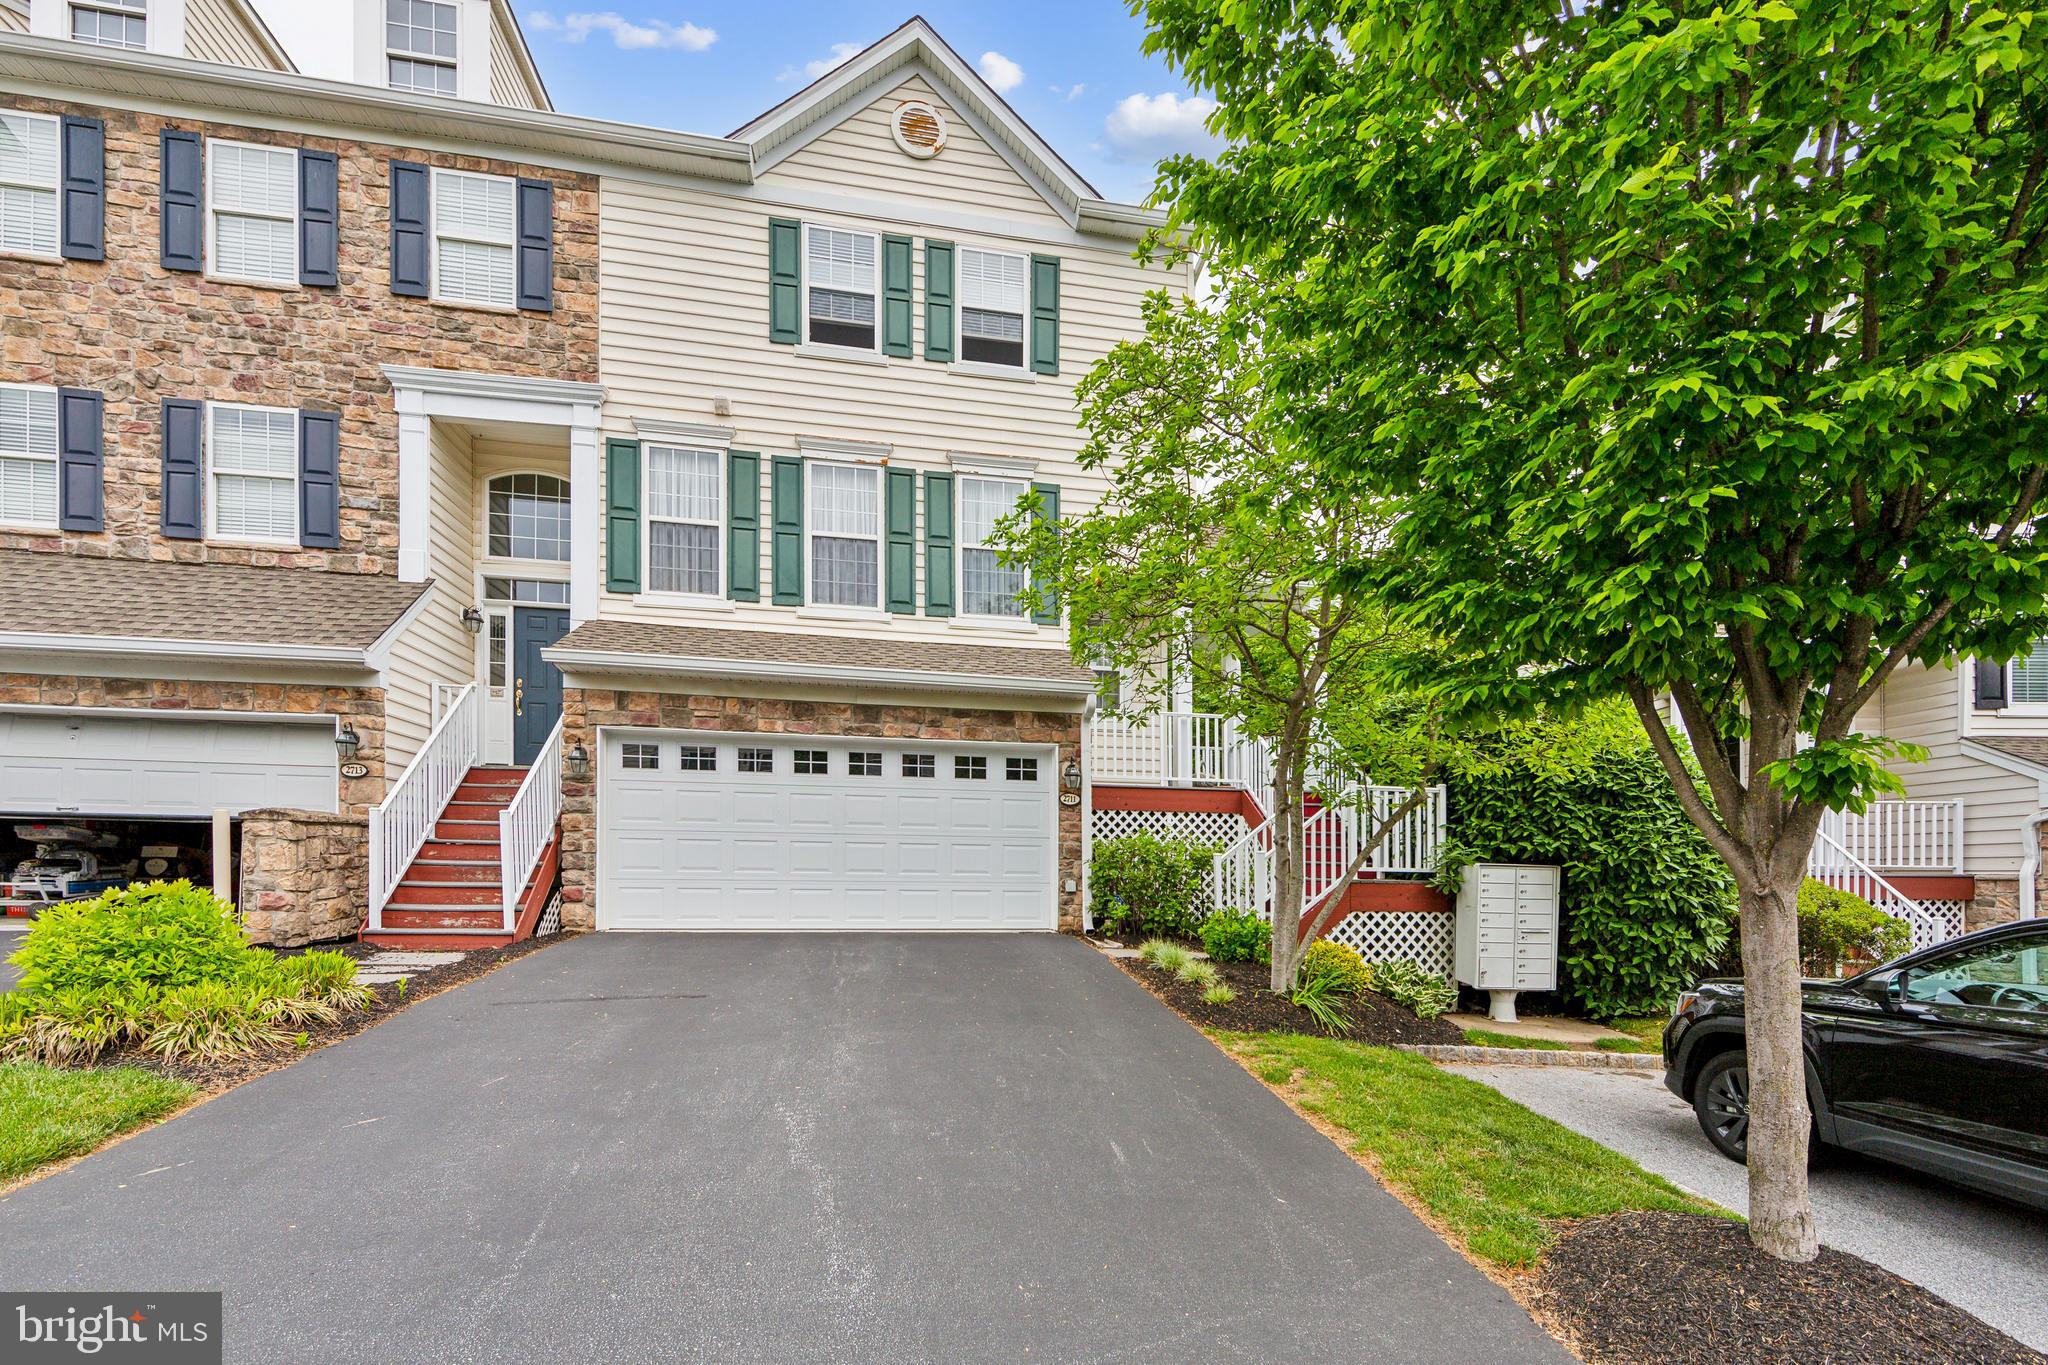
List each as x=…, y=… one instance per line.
x=1680, y=1288
x=1374, y=1018
x=226, y=1072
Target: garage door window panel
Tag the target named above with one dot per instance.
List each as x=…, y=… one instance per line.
x=28, y=455
x=757, y=760
x=920, y=765
x=860, y=764
x=844, y=514
x=685, y=521
x=252, y=457
x=697, y=758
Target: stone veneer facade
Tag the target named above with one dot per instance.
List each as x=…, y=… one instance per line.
x=303, y=876
x=584, y=710
x=137, y=334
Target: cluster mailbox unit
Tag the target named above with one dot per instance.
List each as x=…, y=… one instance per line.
x=1507, y=932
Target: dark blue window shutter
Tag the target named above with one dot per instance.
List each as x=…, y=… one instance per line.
x=1046, y=608
x=1990, y=691
x=82, y=218
x=320, y=480
x=1045, y=314
x=181, y=197
x=81, y=461
x=536, y=249
x=938, y=544
x=410, y=216
x=786, y=530
x=622, y=516
x=319, y=218
x=743, y=525
x=184, y=482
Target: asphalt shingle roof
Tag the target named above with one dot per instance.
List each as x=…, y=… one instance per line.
x=878, y=653
x=2026, y=748
x=43, y=593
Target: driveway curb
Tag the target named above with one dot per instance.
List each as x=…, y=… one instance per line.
x=1460, y=1054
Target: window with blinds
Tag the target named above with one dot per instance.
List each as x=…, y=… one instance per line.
x=994, y=296
x=474, y=223
x=420, y=46
x=28, y=455
x=987, y=586
x=252, y=198
x=844, y=509
x=112, y=23
x=842, y=286
x=29, y=166
x=252, y=457
x=685, y=520
x=2030, y=677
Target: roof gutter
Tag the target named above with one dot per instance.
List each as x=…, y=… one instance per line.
x=133, y=646
x=611, y=661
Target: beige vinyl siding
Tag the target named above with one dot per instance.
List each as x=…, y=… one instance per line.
x=1922, y=705
x=217, y=31
x=509, y=85
x=684, y=298
x=13, y=20
x=437, y=649
x=860, y=156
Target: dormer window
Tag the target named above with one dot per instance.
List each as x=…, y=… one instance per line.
x=111, y=23
x=419, y=44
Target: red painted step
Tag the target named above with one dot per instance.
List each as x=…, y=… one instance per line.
x=449, y=872
x=410, y=892
x=459, y=850
x=474, y=830
x=451, y=917
x=474, y=810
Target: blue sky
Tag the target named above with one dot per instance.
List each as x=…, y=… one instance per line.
x=1071, y=68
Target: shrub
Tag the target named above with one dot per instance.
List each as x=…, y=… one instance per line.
x=1322, y=997
x=73, y=1027
x=151, y=936
x=327, y=977
x=1414, y=987
x=1142, y=883
x=1196, y=972
x=1219, y=994
x=1340, y=963
x=213, y=1019
x=1837, y=930
x=1167, y=956
x=1237, y=936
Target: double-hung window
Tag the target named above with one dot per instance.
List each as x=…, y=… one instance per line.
x=252, y=466
x=685, y=520
x=474, y=223
x=842, y=287
x=29, y=168
x=987, y=586
x=253, y=211
x=844, y=507
x=420, y=45
x=111, y=23
x=28, y=455
x=2030, y=676
x=994, y=297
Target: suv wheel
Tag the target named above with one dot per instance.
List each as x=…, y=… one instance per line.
x=1720, y=1098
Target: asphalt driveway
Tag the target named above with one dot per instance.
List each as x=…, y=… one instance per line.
x=1980, y=1253
x=769, y=1147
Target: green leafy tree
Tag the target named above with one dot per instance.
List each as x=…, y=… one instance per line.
x=1706, y=339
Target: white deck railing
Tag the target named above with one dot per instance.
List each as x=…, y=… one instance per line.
x=1832, y=863
x=1167, y=749
x=1242, y=873
x=405, y=819
x=1902, y=836
x=526, y=825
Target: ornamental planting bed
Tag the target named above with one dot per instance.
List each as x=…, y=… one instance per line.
x=1374, y=1018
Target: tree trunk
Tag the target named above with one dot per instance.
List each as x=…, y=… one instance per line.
x=1288, y=870
x=1780, y=1123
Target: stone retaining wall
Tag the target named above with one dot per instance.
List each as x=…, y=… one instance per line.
x=305, y=876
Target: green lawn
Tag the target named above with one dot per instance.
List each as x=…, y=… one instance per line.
x=1488, y=1169
x=1479, y=1037
x=1646, y=1034
x=48, y=1114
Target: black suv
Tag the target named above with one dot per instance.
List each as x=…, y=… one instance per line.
x=1938, y=1060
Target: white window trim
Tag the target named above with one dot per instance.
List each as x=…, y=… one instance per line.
x=55, y=189
x=211, y=495
x=55, y=461
x=826, y=348
x=214, y=211
x=148, y=17
x=2013, y=705
x=846, y=610
x=983, y=619
x=989, y=369
x=720, y=525
x=453, y=64
x=435, y=236
x=515, y=567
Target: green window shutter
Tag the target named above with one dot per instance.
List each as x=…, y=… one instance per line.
x=901, y=522
x=622, y=516
x=743, y=526
x=787, y=510
x=1047, y=612
x=896, y=296
x=1045, y=314
x=938, y=544
x=785, y=311
x=938, y=301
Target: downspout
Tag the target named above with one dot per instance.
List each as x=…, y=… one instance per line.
x=1087, y=812
x=2030, y=866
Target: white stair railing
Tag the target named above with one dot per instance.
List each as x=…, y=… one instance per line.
x=1241, y=874
x=526, y=825
x=1834, y=865
x=1902, y=836
x=405, y=818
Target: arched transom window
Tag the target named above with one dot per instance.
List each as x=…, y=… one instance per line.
x=529, y=518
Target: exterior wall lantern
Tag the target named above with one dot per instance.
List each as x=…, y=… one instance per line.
x=347, y=740
x=472, y=620
x=577, y=765
x=1070, y=776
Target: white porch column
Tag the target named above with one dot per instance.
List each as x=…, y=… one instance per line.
x=586, y=513
x=415, y=482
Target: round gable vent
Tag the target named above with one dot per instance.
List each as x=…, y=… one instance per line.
x=919, y=129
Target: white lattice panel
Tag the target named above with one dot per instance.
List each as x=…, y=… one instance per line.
x=1421, y=936
x=1211, y=827
x=1950, y=913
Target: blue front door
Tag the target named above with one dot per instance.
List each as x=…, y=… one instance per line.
x=536, y=683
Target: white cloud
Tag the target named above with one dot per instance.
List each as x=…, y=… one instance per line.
x=1000, y=72
x=1068, y=93
x=1147, y=127
x=625, y=33
x=810, y=71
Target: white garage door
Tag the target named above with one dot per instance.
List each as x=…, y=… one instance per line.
x=784, y=832
x=71, y=763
